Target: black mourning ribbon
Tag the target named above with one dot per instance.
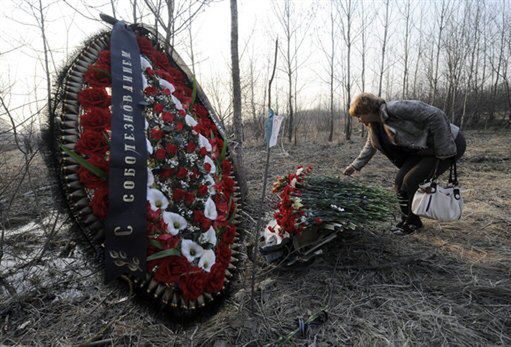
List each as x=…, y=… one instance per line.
x=125, y=225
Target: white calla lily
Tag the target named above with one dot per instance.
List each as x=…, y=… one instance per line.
x=207, y=260
x=150, y=177
x=157, y=199
x=177, y=103
x=191, y=250
x=204, y=142
x=144, y=82
x=149, y=147
x=144, y=63
x=299, y=171
x=210, y=209
x=208, y=237
x=190, y=121
x=211, y=187
x=175, y=222
x=209, y=161
x=166, y=84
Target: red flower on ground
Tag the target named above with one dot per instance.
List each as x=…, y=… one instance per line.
x=169, y=268
x=216, y=278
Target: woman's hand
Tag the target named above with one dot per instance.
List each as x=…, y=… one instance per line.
x=349, y=170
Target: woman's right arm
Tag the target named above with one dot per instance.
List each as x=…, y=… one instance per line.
x=367, y=152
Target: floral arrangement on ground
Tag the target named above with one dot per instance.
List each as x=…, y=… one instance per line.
x=307, y=201
x=190, y=187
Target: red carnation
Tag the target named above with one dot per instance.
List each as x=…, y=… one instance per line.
x=178, y=194
x=156, y=134
x=151, y=90
x=182, y=113
x=92, y=143
x=99, y=202
x=229, y=234
x=203, y=190
x=98, y=75
x=94, y=97
x=182, y=173
x=171, y=149
x=96, y=119
x=170, y=269
x=179, y=126
x=145, y=45
x=223, y=254
x=226, y=167
x=104, y=57
x=159, y=154
x=189, y=198
x=149, y=71
x=216, y=278
x=195, y=173
x=175, y=73
x=192, y=283
x=166, y=173
x=160, y=59
x=190, y=147
x=207, y=167
x=167, y=117
x=163, y=74
x=87, y=178
x=169, y=241
x=200, y=110
x=157, y=108
x=203, y=151
x=166, y=91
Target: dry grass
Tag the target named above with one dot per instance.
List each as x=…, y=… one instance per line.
x=448, y=284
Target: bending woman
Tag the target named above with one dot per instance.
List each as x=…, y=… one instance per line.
x=415, y=136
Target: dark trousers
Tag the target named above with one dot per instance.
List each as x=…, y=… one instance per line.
x=415, y=170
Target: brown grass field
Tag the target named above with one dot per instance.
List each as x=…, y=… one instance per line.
x=449, y=284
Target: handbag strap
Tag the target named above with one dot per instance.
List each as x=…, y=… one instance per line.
x=453, y=173
x=433, y=175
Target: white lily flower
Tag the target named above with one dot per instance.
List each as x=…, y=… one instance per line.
x=146, y=124
x=211, y=187
x=175, y=222
x=166, y=84
x=210, y=209
x=293, y=182
x=144, y=63
x=204, y=142
x=150, y=177
x=208, y=237
x=299, y=171
x=149, y=147
x=207, y=260
x=144, y=82
x=190, y=121
x=191, y=250
x=156, y=199
x=208, y=160
x=177, y=103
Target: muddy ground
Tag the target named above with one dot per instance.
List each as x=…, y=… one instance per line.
x=448, y=284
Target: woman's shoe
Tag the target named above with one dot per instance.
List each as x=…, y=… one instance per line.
x=406, y=228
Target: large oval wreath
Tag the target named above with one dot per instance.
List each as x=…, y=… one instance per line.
x=192, y=193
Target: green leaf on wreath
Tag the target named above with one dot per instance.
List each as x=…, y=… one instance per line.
x=156, y=243
x=163, y=254
x=83, y=162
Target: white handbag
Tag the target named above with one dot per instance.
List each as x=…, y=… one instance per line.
x=436, y=202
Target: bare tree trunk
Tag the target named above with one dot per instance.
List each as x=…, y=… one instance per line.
x=443, y=14
x=404, y=87
x=236, y=86
x=384, y=46
x=331, y=68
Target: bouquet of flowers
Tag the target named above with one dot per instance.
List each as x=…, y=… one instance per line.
x=309, y=203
